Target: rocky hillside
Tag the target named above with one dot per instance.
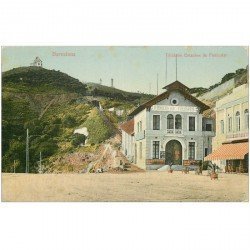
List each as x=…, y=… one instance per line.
x=220, y=89
x=216, y=91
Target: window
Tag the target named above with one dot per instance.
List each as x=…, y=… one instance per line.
x=237, y=121
x=229, y=124
x=206, y=152
x=156, y=122
x=139, y=126
x=222, y=126
x=208, y=127
x=178, y=122
x=174, y=101
x=156, y=147
x=191, y=150
x=191, y=123
x=246, y=119
x=140, y=150
x=170, y=122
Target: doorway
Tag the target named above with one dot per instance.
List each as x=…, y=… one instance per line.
x=173, y=153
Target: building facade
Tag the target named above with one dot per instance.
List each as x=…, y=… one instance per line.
x=128, y=139
x=232, y=125
x=170, y=129
x=37, y=62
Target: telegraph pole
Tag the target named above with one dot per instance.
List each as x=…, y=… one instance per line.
x=176, y=66
x=166, y=73
x=14, y=167
x=27, y=151
x=157, y=82
x=40, y=164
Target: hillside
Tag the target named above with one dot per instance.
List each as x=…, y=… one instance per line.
x=220, y=89
x=52, y=104
x=102, y=90
x=26, y=78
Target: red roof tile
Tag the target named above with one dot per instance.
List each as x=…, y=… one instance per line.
x=128, y=127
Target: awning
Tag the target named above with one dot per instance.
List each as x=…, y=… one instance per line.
x=231, y=151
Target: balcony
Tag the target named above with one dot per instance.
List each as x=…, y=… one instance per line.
x=165, y=132
x=237, y=136
x=174, y=131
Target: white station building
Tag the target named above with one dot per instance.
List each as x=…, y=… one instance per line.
x=169, y=128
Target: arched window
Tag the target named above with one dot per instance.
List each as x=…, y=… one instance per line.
x=170, y=122
x=237, y=121
x=246, y=119
x=178, y=122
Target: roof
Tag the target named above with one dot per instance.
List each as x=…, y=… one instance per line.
x=231, y=151
x=175, y=86
x=37, y=59
x=128, y=127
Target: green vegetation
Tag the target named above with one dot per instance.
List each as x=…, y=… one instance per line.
x=43, y=79
x=98, y=130
x=78, y=139
x=116, y=94
x=52, y=105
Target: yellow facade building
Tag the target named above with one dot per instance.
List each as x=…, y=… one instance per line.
x=232, y=125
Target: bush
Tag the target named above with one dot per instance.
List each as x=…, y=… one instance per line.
x=69, y=122
x=206, y=165
x=78, y=139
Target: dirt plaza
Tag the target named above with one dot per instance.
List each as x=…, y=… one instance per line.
x=144, y=186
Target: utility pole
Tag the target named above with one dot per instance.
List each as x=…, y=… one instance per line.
x=40, y=164
x=176, y=66
x=14, y=167
x=157, y=82
x=166, y=74
x=27, y=151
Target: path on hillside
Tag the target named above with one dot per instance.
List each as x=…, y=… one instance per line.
x=47, y=107
x=107, y=121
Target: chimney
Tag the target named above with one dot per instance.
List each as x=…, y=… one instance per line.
x=112, y=82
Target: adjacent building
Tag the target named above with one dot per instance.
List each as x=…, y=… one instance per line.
x=168, y=129
x=128, y=139
x=230, y=144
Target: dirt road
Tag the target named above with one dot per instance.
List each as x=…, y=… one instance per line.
x=145, y=186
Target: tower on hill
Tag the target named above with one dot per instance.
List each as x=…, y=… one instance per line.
x=37, y=62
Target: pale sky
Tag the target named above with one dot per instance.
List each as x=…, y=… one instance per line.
x=134, y=68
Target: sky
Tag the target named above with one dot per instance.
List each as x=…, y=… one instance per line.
x=134, y=68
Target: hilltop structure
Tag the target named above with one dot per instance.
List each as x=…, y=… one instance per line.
x=37, y=62
x=168, y=129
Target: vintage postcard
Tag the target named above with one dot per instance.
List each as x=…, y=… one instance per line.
x=125, y=123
